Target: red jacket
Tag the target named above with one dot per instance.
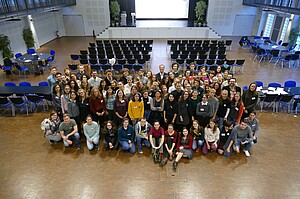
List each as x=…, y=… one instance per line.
x=187, y=146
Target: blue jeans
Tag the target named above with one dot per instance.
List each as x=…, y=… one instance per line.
x=75, y=137
x=139, y=142
x=197, y=144
x=147, y=114
x=220, y=121
x=125, y=146
x=247, y=146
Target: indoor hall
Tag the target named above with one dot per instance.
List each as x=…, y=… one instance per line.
x=32, y=168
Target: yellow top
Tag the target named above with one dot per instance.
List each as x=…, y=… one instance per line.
x=136, y=109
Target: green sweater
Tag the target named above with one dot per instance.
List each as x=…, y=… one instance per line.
x=91, y=131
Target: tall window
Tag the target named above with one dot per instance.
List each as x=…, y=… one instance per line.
x=269, y=24
x=284, y=28
x=298, y=44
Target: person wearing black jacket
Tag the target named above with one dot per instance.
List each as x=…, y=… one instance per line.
x=170, y=111
x=224, y=135
x=110, y=136
x=183, y=117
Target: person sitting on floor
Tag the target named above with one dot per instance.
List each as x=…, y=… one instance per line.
x=170, y=144
x=69, y=131
x=142, y=129
x=91, y=131
x=253, y=122
x=126, y=137
x=184, y=147
x=157, y=136
x=50, y=127
x=110, y=140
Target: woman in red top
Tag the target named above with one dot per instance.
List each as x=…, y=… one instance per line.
x=97, y=106
x=184, y=146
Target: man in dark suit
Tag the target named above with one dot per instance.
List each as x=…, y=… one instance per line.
x=161, y=73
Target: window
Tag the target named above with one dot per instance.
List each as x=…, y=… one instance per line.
x=269, y=24
x=284, y=28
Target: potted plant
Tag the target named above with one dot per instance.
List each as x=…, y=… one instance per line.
x=28, y=37
x=115, y=12
x=5, y=46
x=294, y=34
x=200, y=11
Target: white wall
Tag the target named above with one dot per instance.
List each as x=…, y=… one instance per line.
x=45, y=25
x=95, y=14
x=221, y=14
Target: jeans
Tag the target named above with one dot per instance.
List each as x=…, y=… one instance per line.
x=75, y=137
x=89, y=145
x=197, y=144
x=125, y=146
x=247, y=146
x=156, y=142
x=147, y=114
x=139, y=142
x=220, y=121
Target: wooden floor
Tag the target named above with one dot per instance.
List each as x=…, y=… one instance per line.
x=32, y=168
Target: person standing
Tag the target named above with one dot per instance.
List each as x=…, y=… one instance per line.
x=136, y=108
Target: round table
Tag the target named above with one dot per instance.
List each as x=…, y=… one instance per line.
x=33, y=58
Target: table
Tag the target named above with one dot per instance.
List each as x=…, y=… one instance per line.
x=22, y=90
x=33, y=58
x=269, y=47
x=293, y=90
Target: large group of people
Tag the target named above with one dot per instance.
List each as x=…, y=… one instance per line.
x=174, y=113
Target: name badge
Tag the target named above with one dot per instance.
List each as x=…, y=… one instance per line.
x=223, y=134
x=101, y=101
x=236, y=108
x=224, y=105
x=201, y=109
x=148, y=102
x=128, y=134
x=187, y=104
x=253, y=98
x=253, y=124
x=92, y=128
x=135, y=107
x=122, y=101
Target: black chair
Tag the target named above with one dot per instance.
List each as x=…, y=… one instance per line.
x=131, y=61
x=83, y=56
x=93, y=56
x=269, y=100
x=35, y=101
x=128, y=66
x=117, y=68
x=137, y=67
x=174, y=56
x=146, y=57
x=220, y=62
x=180, y=61
x=19, y=102
x=92, y=44
x=96, y=67
x=105, y=67
x=73, y=67
x=83, y=52
x=83, y=61
x=74, y=57
x=239, y=64
x=121, y=61
x=5, y=105
x=285, y=100
x=103, y=61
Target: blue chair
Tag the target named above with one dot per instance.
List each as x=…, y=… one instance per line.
x=43, y=84
x=5, y=104
x=24, y=84
x=266, y=38
x=290, y=83
x=18, y=55
x=280, y=42
x=10, y=84
x=274, y=84
x=239, y=63
x=22, y=69
x=245, y=88
x=257, y=37
x=19, y=102
x=35, y=100
x=31, y=51
x=259, y=83
x=7, y=69
x=51, y=58
x=285, y=100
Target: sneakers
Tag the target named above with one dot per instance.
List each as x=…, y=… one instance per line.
x=295, y=115
x=141, y=152
x=163, y=163
x=97, y=147
x=155, y=158
x=175, y=164
x=79, y=147
x=197, y=150
x=247, y=153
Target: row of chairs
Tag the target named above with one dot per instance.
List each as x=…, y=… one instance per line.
x=127, y=41
x=130, y=60
x=193, y=41
x=196, y=46
x=25, y=84
x=288, y=83
x=116, y=68
x=109, y=49
x=276, y=102
x=198, y=56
